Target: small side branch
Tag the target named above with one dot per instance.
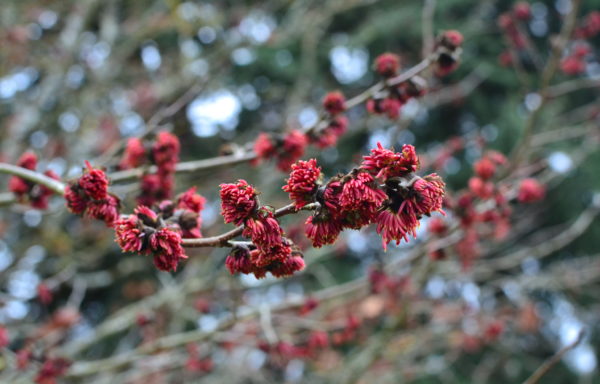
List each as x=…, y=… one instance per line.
x=38, y=178
x=551, y=362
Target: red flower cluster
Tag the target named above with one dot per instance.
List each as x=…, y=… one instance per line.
x=334, y=104
x=449, y=44
x=590, y=27
x=135, y=154
x=270, y=250
x=384, y=163
x=508, y=22
x=286, y=149
x=531, y=191
x=574, y=64
x=303, y=183
x=89, y=196
x=485, y=168
x=155, y=233
x=238, y=201
x=390, y=101
x=27, y=191
x=51, y=370
x=164, y=153
x=387, y=64
x=356, y=200
x=186, y=213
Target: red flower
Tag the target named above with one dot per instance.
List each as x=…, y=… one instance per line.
x=18, y=186
x=334, y=103
x=23, y=357
x=151, y=191
x=266, y=257
x=288, y=267
x=94, y=182
x=190, y=223
x=76, y=199
x=303, y=182
x=134, y=155
x=531, y=191
x=398, y=224
x=328, y=137
x=572, y=65
x=387, y=64
x=166, y=246
x=44, y=294
x=384, y=163
x=480, y=188
x=522, y=11
x=318, y=340
x=165, y=151
x=452, y=39
x=238, y=261
x=52, y=369
x=28, y=160
x=130, y=235
x=437, y=225
x=485, y=168
x=264, y=146
x=191, y=200
x=4, y=340
x=391, y=107
x=106, y=209
x=322, y=229
x=238, y=201
x=264, y=230
x=360, y=199
x=430, y=190
x=294, y=144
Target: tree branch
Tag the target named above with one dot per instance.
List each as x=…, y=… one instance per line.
x=38, y=178
x=551, y=362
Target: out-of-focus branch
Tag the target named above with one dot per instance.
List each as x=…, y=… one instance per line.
x=38, y=178
x=427, y=26
x=546, y=248
x=558, y=47
x=185, y=167
x=81, y=368
x=551, y=362
x=562, y=89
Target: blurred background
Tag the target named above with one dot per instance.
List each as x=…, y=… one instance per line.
x=79, y=77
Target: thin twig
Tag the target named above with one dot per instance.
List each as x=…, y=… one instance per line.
x=551, y=362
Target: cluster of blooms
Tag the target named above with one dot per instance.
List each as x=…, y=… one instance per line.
x=164, y=153
x=448, y=44
x=289, y=148
x=390, y=101
x=27, y=191
x=334, y=104
x=590, y=26
x=51, y=370
x=270, y=251
x=494, y=212
x=384, y=190
x=89, y=196
x=285, y=149
x=159, y=232
x=509, y=23
x=574, y=63
x=195, y=363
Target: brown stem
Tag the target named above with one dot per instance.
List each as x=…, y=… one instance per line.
x=223, y=239
x=551, y=362
x=38, y=178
